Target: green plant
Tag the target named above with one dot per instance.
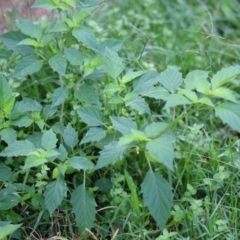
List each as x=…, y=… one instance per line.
x=80, y=130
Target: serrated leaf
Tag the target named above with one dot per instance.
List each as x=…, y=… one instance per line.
x=81, y=163
x=84, y=208
x=27, y=66
x=59, y=27
x=34, y=161
x=81, y=15
x=70, y=136
x=176, y=100
x=18, y=148
x=86, y=36
x=11, y=40
x=9, y=198
x=126, y=139
x=46, y=4
x=58, y=64
x=113, y=63
x=206, y=101
x=63, y=153
x=22, y=121
x=171, y=79
x=203, y=86
x=59, y=96
x=6, y=173
x=28, y=28
x=154, y=129
x=54, y=194
x=6, y=97
x=113, y=44
x=91, y=116
x=73, y=56
x=138, y=104
x=8, y=229
x=162, y=150
x=157, y=195
x=49, y=140
x=229, y=113
x=29, y=42
x=87, y=94
x=189, y=94
x=94, y=135
x=111, y=153
x=224, y=75
x=194, y=77
x=8, y=135
x=28, y=105
x=156, y=93
x=123, y=125
x=131, y=75
x=225, y=93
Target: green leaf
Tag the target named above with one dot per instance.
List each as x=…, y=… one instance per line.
x=154, y=129
x=189, y=94
x=224, y=75
x=123, y=125
x=203, y=86
x=81, y=163
x=111, y=153
x=29, y=42
x=8, y=229
x=113, y=63
x=49, y=140
x=28, y=105
x=225, y=93
x=73, y=56
x=176, y=100
x=157, y=195
x=9, y=135
x=6, y=174
x=84, y=208
x=70, y=136
x=22, y=121
x=58, y=64
x=206, y=101
x=91, y=116
x=27, y=66
x=59, y=96
x=7, y=98
x=81, y=15
x=156, y=93
x=94, y=135
x=54, y=194
x=87, y=94
x=11, y=40
x=229, y=113
x=162, y=150
x=18, y=148
x=138, y=104
x=34, y=161
x=194, y=77
x=63, y=153
x=28, y=28
x=131, y=75
x=87, y=37
x=9, y=198
x=46, y=4
x=59, y=27
x=171, y=79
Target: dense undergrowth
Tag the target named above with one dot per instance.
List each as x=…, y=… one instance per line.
x=121, y=121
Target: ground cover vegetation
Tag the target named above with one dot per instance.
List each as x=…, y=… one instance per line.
x=121, y=120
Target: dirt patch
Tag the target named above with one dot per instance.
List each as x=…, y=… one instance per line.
x=10, y=10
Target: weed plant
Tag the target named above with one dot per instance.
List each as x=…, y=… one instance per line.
x=116, y=132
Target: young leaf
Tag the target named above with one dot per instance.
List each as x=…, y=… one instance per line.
x=162, y=150
x=34, y=161
x=157, y=195
x=176, y=100
x=18, y=148
x=81, y=163
x=73, y=56
x=94, y=135
x=7, y=98
x=91, y=116
x=49, y=140
x=29, y=42
x=113, y=63
x=111, y=153
x=8, y=229
x=59, y=96
x=87, y=94
x=224, y=75
x=229, y=113
x=29, y=28
x=131, y=75
x=123, y=125
x=189, y=94
x=54, y=194
x=155, y=128
x=194, y=77
x=27, y=66
x=225, y=93
x=203, y=86
x=70, y=136
x=58, y=64
x=84, y=208
x=171, y=79
x=46, y=4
